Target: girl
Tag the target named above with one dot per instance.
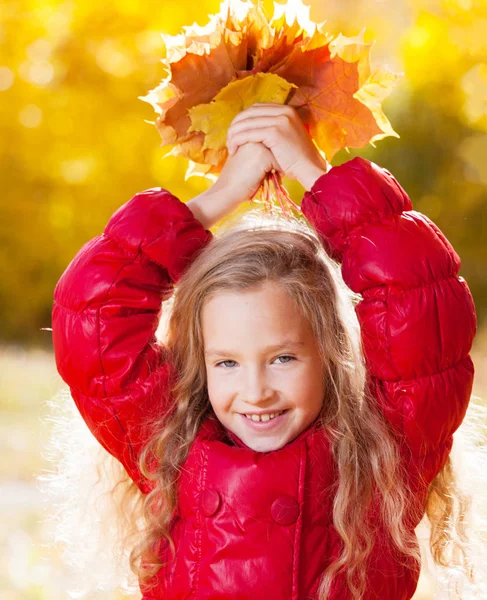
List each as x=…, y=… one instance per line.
x=291, y=432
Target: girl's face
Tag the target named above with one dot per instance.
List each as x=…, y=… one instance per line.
x=261, y=358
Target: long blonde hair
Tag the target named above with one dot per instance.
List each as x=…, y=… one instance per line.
x=366, y=451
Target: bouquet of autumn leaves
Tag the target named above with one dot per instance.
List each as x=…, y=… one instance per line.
x=240, y=58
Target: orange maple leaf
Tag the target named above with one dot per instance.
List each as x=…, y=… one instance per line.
x=324, y=99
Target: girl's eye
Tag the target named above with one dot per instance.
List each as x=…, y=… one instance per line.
x=283, y=356
x=225, y=361
x=286, y=356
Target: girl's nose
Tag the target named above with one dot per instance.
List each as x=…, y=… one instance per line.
x=257, y=387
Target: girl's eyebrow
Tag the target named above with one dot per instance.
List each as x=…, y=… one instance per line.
x=285, y=344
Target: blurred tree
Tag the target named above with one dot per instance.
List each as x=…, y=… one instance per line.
x=74, y=145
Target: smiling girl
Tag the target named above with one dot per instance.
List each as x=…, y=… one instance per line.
x=290, y=433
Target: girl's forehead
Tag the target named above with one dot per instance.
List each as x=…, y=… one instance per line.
x=255, y=318
x=268, y=301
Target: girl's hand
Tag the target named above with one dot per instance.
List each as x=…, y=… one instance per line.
x=239, y=179
x=279, y=128
x=244, y=171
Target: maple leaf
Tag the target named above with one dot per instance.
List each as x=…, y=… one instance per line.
x=240, y=57
x=325, y=100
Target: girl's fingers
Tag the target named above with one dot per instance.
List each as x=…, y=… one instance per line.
x=250, y=122
x=262, y=109
x=280, y=129
x=265, y=135
x=263, y=116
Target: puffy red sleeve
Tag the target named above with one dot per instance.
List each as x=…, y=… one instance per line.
x=417, y=316
x=106, y=311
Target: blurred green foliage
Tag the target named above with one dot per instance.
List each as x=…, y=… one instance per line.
x=74, y=145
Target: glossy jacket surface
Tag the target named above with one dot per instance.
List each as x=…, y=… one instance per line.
x=258, y=525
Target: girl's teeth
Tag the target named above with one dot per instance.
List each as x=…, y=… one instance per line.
x=264, y=417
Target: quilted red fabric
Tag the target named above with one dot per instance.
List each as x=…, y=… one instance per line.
x=253, y=525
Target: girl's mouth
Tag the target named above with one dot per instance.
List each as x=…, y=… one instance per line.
x=265, y=425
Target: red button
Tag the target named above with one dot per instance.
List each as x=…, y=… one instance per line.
x=210, y=502
x=285, y=510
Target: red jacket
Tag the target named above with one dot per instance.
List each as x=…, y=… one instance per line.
x=251, y=525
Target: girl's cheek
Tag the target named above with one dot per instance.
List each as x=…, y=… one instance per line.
x=221, y=382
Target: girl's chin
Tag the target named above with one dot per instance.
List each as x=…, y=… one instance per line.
x=264, y=442
x=264, y=445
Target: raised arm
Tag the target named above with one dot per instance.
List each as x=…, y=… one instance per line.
x=417, y=315
x=107, y=302
x=105, y=314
